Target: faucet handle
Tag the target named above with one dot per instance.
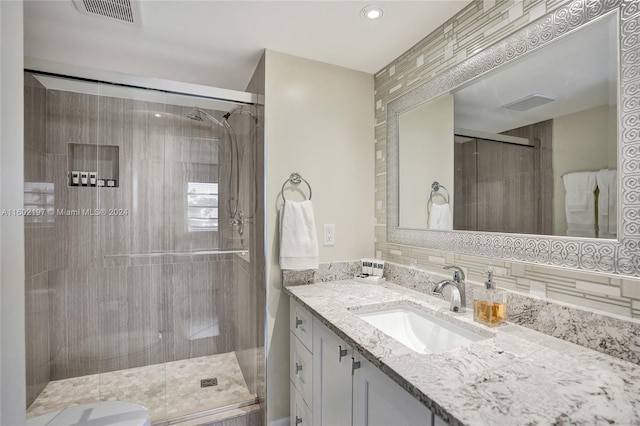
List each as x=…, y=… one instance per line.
x=458, y=274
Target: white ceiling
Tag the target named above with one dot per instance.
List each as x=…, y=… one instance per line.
x=579, y=70
x=219, y=43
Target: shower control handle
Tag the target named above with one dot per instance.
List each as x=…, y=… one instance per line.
x=298, y=322
x=341, y=353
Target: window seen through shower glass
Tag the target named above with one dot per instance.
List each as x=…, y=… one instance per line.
x=202, y=205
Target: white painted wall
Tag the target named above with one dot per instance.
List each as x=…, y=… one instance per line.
x=319, y=122
x=12, y=346
x=585, y=140
x=425, y=155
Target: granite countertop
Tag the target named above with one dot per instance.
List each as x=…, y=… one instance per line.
x=516, y=377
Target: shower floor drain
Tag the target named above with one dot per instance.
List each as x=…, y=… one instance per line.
x=206, y=383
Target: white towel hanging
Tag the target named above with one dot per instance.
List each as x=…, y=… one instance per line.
x=580, y=203
x=440, y=217
x=607, y=203
x=298, y=239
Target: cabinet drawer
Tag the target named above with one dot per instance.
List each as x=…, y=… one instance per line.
x=301, y=369
x=301, y=323
x=300, y=413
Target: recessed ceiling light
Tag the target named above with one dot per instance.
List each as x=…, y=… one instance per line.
x=371, y=12
x=158, y=115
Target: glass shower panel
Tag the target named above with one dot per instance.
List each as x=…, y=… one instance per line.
x=496, y=186
x=131, y=216
x=490, y=166
x=521, y=209
x=72, y=119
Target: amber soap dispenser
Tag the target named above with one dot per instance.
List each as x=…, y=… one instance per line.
x=490, y=304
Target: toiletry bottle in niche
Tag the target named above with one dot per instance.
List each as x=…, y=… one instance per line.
x=490, y=304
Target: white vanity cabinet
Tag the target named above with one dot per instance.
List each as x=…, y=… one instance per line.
x=379, y=401
x=332, y=380
x=344, y=389
x=300, y=365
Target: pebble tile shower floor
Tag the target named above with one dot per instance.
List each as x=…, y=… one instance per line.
x=146, y=385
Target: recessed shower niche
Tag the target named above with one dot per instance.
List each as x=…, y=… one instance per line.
x=93, y=165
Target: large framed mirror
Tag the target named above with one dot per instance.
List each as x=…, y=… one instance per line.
x=528, y=150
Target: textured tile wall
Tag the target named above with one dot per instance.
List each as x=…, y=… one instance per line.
x=476, y=27
x=112, y=313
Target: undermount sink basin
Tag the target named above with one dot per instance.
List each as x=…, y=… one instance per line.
x=421, y=330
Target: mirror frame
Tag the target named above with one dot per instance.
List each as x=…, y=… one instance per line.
x=621, y=256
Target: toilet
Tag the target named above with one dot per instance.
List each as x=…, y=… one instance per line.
x=121, y=413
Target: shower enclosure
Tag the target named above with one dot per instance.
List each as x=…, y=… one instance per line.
x=505, y=187
x=144, y=249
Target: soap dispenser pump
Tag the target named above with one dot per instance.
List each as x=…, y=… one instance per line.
x=490, y=305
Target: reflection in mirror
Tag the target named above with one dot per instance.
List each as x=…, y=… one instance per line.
x=533, y=149
x=425, y=131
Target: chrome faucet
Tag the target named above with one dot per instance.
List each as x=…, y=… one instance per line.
x=458, y=293
x=458, y=273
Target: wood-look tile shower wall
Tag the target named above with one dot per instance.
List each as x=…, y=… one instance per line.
x=111, y=313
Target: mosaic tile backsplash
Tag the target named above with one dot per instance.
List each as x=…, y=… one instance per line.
x=476, y=27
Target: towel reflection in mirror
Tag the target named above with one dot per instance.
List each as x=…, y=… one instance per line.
x=590, y=203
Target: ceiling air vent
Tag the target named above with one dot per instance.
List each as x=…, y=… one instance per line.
x=120, y=10
x=528, y=102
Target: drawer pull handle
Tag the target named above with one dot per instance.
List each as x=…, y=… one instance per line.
x=298, y=420
x=354, y=365
x=342, y=353
x=298, y=322
x=298, y=368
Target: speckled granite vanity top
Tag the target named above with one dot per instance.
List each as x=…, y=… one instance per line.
x=516, y=377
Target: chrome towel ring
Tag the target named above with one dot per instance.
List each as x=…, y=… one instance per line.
x=295, y=179
x=435, y=188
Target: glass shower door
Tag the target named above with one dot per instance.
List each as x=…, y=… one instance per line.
x=130, y=201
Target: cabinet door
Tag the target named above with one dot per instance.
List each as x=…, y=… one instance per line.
x=331, y=378
x=379, y=401
x=300, y=412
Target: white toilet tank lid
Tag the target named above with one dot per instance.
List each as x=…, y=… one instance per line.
x=107, y=413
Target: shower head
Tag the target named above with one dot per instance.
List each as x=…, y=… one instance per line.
x=198, y=115
x=240, y=110
x=194, y=114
